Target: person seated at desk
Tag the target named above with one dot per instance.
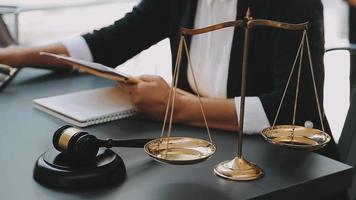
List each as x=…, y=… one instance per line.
x=217, y=57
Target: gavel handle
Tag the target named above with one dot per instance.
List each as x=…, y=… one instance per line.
x=134, y=143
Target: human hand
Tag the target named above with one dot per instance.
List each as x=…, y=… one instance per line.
x=149, y=96
x=351, y=2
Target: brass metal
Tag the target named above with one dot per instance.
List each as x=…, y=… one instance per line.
x=66, y=136
x=187, y=31
x=180, y=151
x=238, y=169
x=250, y=23
x=185, y=150
x=243, y=88
x=294, y=136
x=279, y=25
x=298, y=137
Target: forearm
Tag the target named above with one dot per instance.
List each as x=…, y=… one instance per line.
x=20, y=57
x=220, y=113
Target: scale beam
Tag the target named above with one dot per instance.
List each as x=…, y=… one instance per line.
x=249, y=23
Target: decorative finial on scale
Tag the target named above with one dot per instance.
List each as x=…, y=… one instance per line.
x=248, y=13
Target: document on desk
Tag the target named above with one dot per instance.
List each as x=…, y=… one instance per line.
x=87, y=108
x=94, y=68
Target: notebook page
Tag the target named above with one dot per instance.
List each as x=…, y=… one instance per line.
x=89, y=105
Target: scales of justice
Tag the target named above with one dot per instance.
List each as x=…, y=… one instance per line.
x=188, y=150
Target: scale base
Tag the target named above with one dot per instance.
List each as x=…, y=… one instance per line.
x=238, y=169
x=56, y=169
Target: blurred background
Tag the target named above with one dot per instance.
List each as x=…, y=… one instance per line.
x=43, y=21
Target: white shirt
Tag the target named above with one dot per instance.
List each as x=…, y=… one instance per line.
x=210, y=52
x=210, y=55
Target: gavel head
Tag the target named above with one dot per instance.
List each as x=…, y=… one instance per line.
x=75, y=142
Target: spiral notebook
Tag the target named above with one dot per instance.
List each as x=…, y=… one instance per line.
x=88, y=107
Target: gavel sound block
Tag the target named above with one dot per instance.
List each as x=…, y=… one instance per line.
x=77, y=162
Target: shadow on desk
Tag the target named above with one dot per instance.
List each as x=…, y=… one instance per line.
x=169, y=191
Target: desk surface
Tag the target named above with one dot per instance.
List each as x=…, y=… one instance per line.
x=26, y=133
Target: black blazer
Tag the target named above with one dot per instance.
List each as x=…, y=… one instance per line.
x=271, y=54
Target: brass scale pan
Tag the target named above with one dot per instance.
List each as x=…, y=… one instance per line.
x=187, y=150
x=299, y=137
x=181, y=150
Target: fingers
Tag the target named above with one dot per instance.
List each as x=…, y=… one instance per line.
x=133, y=88
x=128, y=88
x=149, y=78
x=154, y=80
x=147, y=81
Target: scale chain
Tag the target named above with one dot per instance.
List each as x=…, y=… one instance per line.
x=171, y=100
x=298, y=82
x=289, y=79
x=174, y=88
x=298, y=86
x=178, y=60
x=196, y=86
x=314, y=84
